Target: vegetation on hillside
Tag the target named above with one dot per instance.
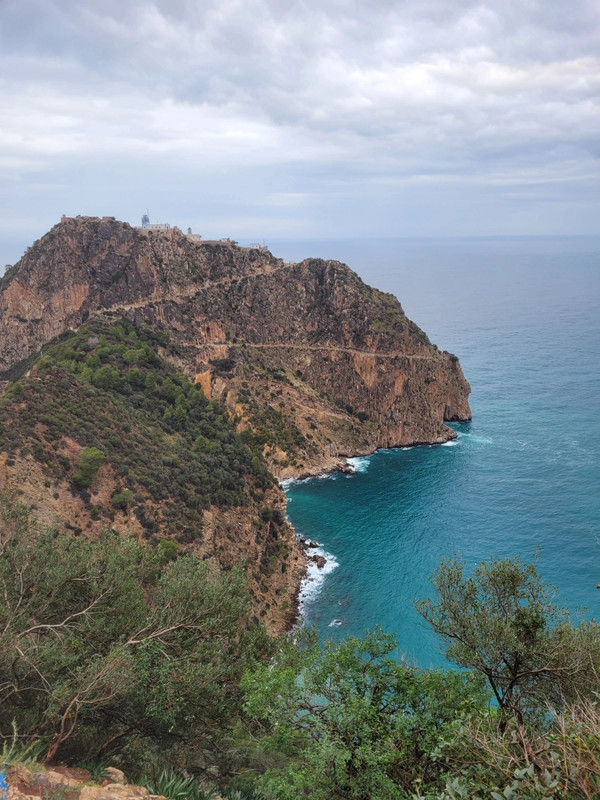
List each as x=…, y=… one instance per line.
x=107, y=388
x=110, y=649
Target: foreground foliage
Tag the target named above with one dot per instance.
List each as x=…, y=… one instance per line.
x=351, y=722
x=503, y=623
x=113, y=652
x=106, y=649
x=347, y=721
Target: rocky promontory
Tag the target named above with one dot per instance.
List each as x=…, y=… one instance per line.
x=193, y=372
x=306, y=354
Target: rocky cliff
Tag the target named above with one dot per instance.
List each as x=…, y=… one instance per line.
x=305, y=354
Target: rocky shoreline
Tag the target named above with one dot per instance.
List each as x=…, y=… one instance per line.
x=340, y=465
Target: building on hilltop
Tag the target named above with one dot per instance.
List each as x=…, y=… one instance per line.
x=195, y=236
x=152, y=226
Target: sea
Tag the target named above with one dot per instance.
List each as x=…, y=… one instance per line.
x=522, y=479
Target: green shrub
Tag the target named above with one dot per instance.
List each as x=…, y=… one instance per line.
x=167, y=550
x=90, y=461
x=121, y=499
x=126, y=652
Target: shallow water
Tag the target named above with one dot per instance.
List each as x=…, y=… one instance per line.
x=524, y=476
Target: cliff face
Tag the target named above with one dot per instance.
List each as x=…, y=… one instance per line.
x=304, y=354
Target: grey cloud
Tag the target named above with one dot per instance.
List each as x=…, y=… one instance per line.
x=328, y=93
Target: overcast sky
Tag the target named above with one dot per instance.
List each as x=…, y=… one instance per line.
x=301, y=118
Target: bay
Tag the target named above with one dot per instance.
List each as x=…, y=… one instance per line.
x=523, y=477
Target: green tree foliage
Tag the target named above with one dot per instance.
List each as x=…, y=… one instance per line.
x=110, y=648
x=503, y=623
x=90, y=461
x=348, y=721
x=121, y=499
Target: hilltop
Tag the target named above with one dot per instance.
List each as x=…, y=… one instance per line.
x=321, y=365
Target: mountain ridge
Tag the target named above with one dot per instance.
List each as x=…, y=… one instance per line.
x=341, y=344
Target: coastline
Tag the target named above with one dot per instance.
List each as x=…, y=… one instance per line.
x=315, y=569
x=329, y=465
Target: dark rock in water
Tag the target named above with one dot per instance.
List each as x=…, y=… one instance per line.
x=312, y=543
x=319, y=561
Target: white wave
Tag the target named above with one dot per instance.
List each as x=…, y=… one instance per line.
x=475, y=439
x=288, y=482
x=359, y=463
x=336, y=623
x=315, y=577
x=451, y=443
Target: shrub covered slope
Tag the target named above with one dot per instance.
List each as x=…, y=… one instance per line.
x=103, y=432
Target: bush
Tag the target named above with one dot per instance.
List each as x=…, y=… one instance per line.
x=167, y=550
x=121, y=499
x=106, y=649
x=90, y=461
x=348, y=721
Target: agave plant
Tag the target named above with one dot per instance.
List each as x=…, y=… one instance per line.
x=97, y=770
x=15, y=750
x=173, y=786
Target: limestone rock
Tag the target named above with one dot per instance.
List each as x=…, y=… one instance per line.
x=50, y=781
x=113, y=791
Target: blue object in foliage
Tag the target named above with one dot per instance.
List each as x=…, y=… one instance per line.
x=3, y=786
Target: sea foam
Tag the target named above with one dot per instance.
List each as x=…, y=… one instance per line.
x=359, y=463
x=315, y=577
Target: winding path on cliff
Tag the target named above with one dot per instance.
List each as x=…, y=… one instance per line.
x=323, y=348
x=192, y=291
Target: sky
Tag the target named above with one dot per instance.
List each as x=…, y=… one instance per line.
x=301, y=119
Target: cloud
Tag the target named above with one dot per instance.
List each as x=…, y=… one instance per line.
x=328, y=93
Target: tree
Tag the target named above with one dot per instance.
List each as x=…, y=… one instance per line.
x=90, y=461
x=503, y=623
x=108, y=647
x=348, y=721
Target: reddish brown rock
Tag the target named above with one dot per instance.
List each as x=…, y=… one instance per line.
x=339, y=362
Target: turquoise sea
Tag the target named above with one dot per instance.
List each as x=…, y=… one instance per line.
x=523, y=315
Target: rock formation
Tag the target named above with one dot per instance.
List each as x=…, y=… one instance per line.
x=322, y=364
